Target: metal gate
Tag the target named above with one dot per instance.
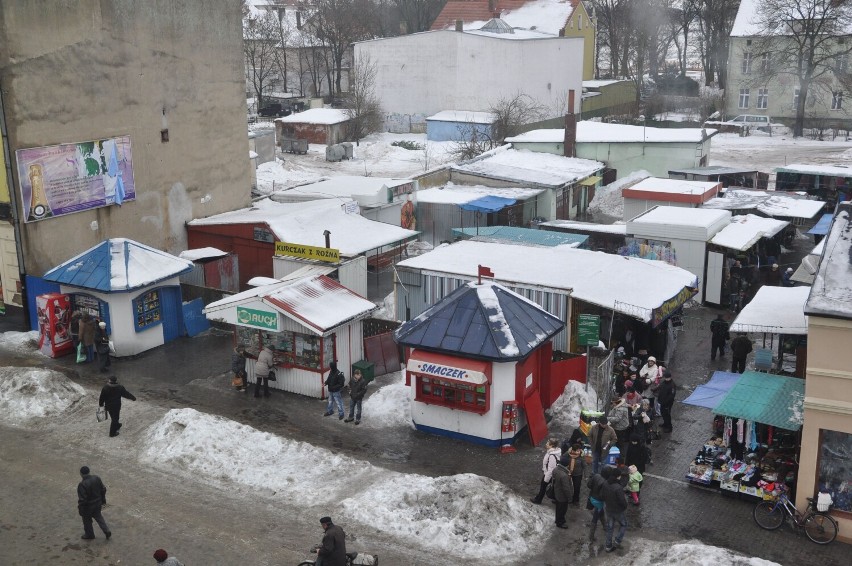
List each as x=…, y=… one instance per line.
x=379, y=346
x=600, y=379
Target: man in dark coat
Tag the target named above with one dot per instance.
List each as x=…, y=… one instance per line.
x=597, y=484
x=666, y=397
x=563, y=489
x=102, y=346
x=91, y=496
x=335, y=383
x=110, y=398
x=615, y=504
x=719, y=335
x=357, y=390
x=332, y=551
x=740, y=349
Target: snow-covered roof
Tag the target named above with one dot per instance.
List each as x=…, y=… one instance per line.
x=319, y=116
x=600, y=83
x=202, y=253
x=517, y=34
x=674, y=186
x=529, y=168
x=465, y=116
x=629, y=285
x=315, y=301
x=600, y=132
x=618, y=229
x=777, y=310
x=749, y=22
x=463, y=194
x=681, y=216
x=304, y=223
x=118, y=265
x=831, y=294
x=746, y=23
x=548, y=16
x=744, y=231
x=769, y=203
x=835, y=170
x=344, y=186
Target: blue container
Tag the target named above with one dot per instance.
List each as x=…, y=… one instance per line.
x=613, y=455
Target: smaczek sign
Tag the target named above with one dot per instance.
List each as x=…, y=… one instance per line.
x=261, y=319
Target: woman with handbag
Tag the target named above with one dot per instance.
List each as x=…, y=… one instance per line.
x=548, y=464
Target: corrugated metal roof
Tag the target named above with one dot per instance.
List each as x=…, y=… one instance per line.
x=522, y=235
x=481, y=321
x=319, y=302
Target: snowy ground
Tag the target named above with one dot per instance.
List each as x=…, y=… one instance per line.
x=461, y=518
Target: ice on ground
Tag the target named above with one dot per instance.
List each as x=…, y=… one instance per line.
x=608, y=200
x=33, y=393
x=20, y=342
x=566, y=409
x=434, y=513
x=390, y=404
x=643, y=552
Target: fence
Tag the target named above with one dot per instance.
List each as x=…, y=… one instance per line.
x=600, y=378
x=379, y=346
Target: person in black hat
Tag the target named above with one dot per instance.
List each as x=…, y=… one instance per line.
x=666, y=398
x=332, y=551
x=602, y=437
x=110, y=398
x=91, y=496
x=563, y=489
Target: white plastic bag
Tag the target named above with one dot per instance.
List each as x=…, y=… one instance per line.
x=824, y=501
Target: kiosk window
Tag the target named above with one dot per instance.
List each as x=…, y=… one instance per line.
x=292, y=349
x=453, y=394
x=834, y=468
x=146, y=310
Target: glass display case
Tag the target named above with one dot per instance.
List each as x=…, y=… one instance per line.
x=291, y=349
x=146, y=310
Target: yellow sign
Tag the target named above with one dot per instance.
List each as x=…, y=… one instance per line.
x=329, y=255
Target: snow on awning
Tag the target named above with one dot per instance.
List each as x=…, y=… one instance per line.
x=744, y=231
x=776, y=310
x=202, y=253
x=769, y=203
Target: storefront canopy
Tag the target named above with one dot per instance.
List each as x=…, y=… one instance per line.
x=488, y=204
x=711, y=393
x=766, y=398
x=769, y=203
x=822, y=227
x=779, y=310
x=744, y=231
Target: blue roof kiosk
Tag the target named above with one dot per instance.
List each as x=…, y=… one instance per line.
x=134, y=288
x=476, y=361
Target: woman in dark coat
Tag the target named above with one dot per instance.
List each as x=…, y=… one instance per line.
x=87, y=336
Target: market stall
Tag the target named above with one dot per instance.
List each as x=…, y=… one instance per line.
x=310, y=321
x=756, y=437
x=478, y=365
x=779, y=311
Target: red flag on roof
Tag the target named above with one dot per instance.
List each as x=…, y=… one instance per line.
x=486, y=271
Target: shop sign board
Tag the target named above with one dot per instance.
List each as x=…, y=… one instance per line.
x=330, y=255
x=257, y=318
x=263, y=235
x=448, y=372
x=668, y=308
x=72, y=177
x=398, y=191
x=588, y=329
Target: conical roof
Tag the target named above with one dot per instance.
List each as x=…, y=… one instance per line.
x=496, y=25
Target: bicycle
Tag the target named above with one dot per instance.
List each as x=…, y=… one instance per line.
x=820, y=527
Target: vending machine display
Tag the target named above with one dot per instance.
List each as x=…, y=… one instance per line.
x=54, y=317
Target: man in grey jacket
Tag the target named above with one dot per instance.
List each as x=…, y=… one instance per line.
x=602, y=437
x=615, y=504
x=563, y=489
x=262, y=368
x=91, y=496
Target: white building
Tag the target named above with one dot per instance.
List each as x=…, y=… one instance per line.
x=653, y=191
x=424, y=73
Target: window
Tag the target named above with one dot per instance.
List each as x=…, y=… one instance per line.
x=292, y=349
x=837, y=100
x=746, y=64
x=765, y=63
x=147, y=310
x=579, y=21
x=762, y=98
x=796, y=92
x=833, y=472
x=744, y=93
x=453, y=394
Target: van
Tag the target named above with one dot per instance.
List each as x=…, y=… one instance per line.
x=753, y=121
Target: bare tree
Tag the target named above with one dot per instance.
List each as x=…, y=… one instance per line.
x=338, y=24
x=260, y=46
x=715, y=20
x=362, y=103
x=808, y=40
x=418, y=15
x=513, y=111
x=473, y=140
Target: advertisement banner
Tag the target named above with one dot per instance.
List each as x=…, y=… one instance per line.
x=257, y=318
x=330, y=255
x=72, y=177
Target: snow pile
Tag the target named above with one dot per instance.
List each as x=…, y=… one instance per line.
x=566, y=409
x=414, y=249
x=609, y=200
x=20, y=342
x=388, y=405
x=466, y=515
x=387, y=308
x=32, y=393
x=689, y=553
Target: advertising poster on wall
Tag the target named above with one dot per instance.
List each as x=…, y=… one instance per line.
x=72, y=177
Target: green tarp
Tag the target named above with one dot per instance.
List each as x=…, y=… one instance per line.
x=766, y=398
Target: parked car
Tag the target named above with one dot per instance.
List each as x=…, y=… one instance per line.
x=271, y=110
x=754, y=121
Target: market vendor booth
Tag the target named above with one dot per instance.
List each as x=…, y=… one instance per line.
x=479, y=365
x=309, y=320
x=755, y=445
x=134, y=288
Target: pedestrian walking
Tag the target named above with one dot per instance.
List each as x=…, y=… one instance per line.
x=332, y=551
x=740, y=349
x=619, y=420
x=666, y=397
x=111, y=396
x=74, y=329
x=238, y=367
x=577, y=469
x=773, y=276
x=87, y=336
x=719, y=336
x=335, y=383
x=602, y=437
x=91, y=497
x=357, y=390
x=562, y=489
x=162, y=557
x=102, y=347
x=597, y=484
x=649, y=377
x=263, y=369
x=637, y=453
x=548, y=464
x=634, y=483
x=615, y=504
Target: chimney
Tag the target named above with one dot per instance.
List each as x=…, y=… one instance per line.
x=561, y=32
x=459, y=25
x=298, y=20
x=569, y=142
x=491, y=5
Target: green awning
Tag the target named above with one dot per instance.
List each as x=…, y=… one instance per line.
x=766, y=398
x=590, y=181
